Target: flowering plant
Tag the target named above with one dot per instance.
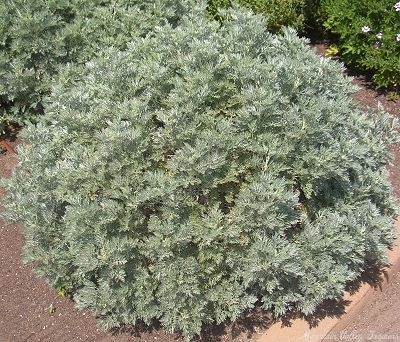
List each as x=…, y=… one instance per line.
x=369, y=36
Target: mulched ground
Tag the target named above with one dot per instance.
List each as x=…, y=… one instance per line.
x=31, y=311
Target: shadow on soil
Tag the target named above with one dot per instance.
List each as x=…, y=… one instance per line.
x=256, y=321
x=9, y=135
x=374, y=275
x=253, y=322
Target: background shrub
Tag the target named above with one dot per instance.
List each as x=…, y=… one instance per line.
x=279, y=12
x=204, y=168
x=313, y=28
x=368, y=50
x=39, y=37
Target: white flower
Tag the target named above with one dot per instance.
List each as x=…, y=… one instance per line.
x=365, y=29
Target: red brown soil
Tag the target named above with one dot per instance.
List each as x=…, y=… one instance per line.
x=376, y=320
x=31, y=311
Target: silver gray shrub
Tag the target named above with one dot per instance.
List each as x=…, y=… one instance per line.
x=204, y=168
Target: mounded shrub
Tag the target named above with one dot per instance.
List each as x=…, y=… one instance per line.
x=205, y=168
x=38, y=38
x=279, y=12
x=369, y=36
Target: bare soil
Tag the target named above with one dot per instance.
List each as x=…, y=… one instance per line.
x=31, y=311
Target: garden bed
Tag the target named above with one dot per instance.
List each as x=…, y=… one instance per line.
x=31, y=311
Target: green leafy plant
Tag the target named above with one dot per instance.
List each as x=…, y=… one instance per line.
x=393, y=96
x=38, y=38
x=369, y=36
x=332, y=51
x=51, y=309
x=204, y=169
x=62, y=292
x=279, y=12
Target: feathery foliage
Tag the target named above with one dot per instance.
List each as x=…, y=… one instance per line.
x=39, y=37
x=204, y=168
